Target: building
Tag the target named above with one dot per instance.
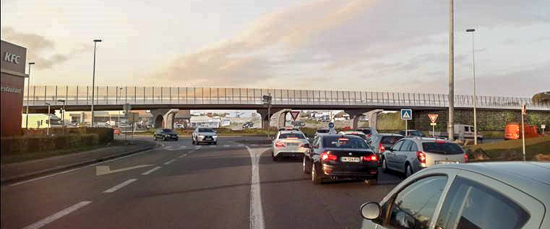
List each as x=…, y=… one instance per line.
x=13, y=76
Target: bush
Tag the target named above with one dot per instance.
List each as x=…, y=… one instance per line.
x=42, y=143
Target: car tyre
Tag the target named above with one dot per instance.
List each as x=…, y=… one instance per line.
x=306, y=166
x=384, y=166
x=408, y=171
x=315, y=178
x=371, y=181
x=215, y=143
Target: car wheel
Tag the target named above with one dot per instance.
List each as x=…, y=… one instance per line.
x=408, y=171
x=371, y=181
x=306, y=167
x=154, y=138
x=164, y=138
x=315, y=176
x=275, y=158
x=384, y=166
x=215, y=143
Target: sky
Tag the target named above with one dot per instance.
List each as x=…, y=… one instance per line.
x=366, y=45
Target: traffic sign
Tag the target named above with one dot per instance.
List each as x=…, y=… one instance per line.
x=406, y=114
x=330, y=125
x=433, y=117
x=294, y=114
x=543, y=126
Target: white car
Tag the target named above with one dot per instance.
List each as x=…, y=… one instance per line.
x=503, y=195
x=204, y=135
x=290, y=143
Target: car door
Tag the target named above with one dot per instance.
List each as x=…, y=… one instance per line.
x=389, y=155
x=401, y=155
x=480, y=202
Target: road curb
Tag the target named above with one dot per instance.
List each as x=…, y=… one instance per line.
x=28, y=176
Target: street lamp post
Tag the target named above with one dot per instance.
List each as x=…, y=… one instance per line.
x=450, y=127
x=28, y=96
x=93, y=82
x=474, y=75
x=49, y=120
x=62, y=114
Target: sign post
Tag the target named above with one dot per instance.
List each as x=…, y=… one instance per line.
x=406, y=114
x=523, y=113
x=433, y=118
x=543, y=126
x=331, y=128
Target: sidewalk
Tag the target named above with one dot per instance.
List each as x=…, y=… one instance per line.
x=29, y=169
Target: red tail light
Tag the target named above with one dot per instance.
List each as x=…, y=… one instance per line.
x=326, y=156
x=370, y=158
x=305, y=145
x=382, y=148
x=466, y=158
x=421, y=157
x=280, y=144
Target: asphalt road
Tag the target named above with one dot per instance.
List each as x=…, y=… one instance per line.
x=179, y=185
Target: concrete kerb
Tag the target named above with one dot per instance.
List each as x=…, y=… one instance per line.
x=28, y=176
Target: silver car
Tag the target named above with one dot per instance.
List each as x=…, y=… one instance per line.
x=204, y=135
x=503, y=195
x=410, y=155
x=290, y=144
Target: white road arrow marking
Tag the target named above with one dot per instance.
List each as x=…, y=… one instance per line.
x=104, y=169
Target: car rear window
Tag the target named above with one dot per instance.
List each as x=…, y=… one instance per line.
x=168, y=131
x=322, y=131
x=361, y=135
x=390, y=139
x=442, y=148
x=344, y=142
x=292, y=135
x=205, y=130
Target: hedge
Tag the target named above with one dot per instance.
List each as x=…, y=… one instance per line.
x=104, y=134
x=41, y=143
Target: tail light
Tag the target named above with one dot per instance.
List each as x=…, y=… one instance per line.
x=466, y=158
x=326, y=156
x=370, y=158
x=280, y=144
x=382, y=148
x=421, y=157
x=305, y=145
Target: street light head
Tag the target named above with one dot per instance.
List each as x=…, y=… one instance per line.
x=61, y=100
x=97, y=40
x=31, y=63
x=470, y=30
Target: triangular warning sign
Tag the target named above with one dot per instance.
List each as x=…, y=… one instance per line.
x=294, y=114
x=433, y=117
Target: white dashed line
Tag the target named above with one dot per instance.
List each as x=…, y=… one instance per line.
x=254, y=145
x=58, y=215
x=212, y=146
x=169, y=162
x=150, y=171
x=197, y=147
x=119, y=186
x=225, y=146
x=183, y=155
x=240, y=145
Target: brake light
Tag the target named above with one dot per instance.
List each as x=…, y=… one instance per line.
x=305, y=145
x=326, y=156
x=421, y=157
x=343, y=139
x=280, y=144
x=382, y=148
x=439, y=141
x=370, y=158
x=466, y=158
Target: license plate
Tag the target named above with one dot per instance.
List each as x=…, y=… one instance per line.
x=350, y=159
x=293, y=144
x=446, y=162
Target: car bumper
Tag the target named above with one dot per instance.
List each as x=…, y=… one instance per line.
x=207, y=140
x=358, y=171
x=296, y=152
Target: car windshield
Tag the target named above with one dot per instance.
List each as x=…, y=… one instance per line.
x=344, y=142
x=442, y=148
x=205, y=130
x=292, y=136
x=168, y=131
x=390, y=139
x=361, y=135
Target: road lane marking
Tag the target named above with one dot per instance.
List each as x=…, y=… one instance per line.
x=254, y=145
x=183, y=155
x=197, y=147
x=151, y=170
x=105, y=169
x=169, y=162
x=226, y=146
x=57, y=215
x=241, y=145
x=256, y=211
x=119, y=186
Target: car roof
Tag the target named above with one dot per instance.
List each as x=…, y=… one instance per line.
x=532, y=178
x=291, y=132
x=388, y=134
x=339, y=135
x=352, y=132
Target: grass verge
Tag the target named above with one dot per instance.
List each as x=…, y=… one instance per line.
x=533, y=146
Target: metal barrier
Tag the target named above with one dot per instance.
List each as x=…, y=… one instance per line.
x=108, y=95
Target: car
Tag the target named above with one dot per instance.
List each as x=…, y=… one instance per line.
x=322, y=131
x=380, y=142
x=204, y=135
x=417, y=133
x=340, y=157
x=463, y=132
x=410, y=155
x=289, y=143
x=165, y=135
x=248, y=125
x=366, y=130
x=289, y=128
x=356, y=133
x=504, y=195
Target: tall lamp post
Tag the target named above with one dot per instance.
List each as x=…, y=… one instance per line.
x=474, y=75
x=28, y=96
x=93, y=82
x=450, y=127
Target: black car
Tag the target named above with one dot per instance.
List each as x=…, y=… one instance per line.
x=341, y=157
x=248, y=125
x=417, y=133
x=165, y=135
x=366, y=130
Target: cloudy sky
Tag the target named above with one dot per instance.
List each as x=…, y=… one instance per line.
x=371, y=45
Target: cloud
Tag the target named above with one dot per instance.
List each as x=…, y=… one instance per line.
x=40, y=49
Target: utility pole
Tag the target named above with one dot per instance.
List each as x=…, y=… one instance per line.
x=523, y=114
x=93, y=82
x=474, y=75
x=28, y=96
x=450, y=126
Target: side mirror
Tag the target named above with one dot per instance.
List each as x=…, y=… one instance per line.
x=371, y=210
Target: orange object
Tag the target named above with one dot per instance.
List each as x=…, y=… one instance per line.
x=513, y=131
x=117, y=131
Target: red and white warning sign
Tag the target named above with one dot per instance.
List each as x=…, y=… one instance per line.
x=294, y=114
x=433, y=117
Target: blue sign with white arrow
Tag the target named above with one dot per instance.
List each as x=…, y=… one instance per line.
x=330, y=125
x=406, y=114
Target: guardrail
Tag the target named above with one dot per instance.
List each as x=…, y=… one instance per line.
x=106, y=95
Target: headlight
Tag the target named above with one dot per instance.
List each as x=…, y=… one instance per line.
x=214, y=136
x=201, y=136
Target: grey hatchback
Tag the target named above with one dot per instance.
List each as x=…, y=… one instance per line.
x=503, y=195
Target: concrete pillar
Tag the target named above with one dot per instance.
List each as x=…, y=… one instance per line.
x=355, y=115
x=274, y=120
x=164, y=118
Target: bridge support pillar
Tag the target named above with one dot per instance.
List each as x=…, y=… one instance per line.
x=268, y=121
x=355, y=115
x=164, y=118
